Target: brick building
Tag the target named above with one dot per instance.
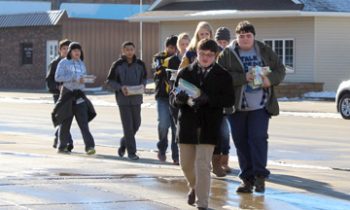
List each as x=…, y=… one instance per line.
x=24, y=39
x=30, y=41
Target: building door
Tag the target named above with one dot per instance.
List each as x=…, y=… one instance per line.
x=51, y=51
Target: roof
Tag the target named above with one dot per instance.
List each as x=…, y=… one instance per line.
x=228, y=5
x=49, y=18
x=174, y=10
x=326, y=5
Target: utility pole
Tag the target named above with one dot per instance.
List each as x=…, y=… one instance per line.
x=141, y=41
x=55, y=4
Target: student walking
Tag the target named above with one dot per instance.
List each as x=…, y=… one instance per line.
x=255, y=102
x=161, y=62
x=199, y=123
x=203, y=31
x=71, y=72
x=54, y=87
x=174, y=62
x=183, y=41
x=128, y=71
x=221, y=152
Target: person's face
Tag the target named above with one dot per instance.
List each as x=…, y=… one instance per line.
x=203, y=34
x=171, y=50
x=222, y=43
x=245, y=40
x=63, y=51
x=129, y=51
x=75, y=54
x=183, y=44
x=205, y=57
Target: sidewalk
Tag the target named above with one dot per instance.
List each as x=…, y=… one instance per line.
x=34, y=176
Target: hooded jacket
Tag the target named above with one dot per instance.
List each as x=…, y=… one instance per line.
x=230, y=60
x=122, y=73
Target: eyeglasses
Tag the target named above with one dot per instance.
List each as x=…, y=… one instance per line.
x=209, y=55
x=245, y=36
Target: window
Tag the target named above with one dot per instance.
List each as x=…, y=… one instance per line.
x=284, y=48
x=27, y=53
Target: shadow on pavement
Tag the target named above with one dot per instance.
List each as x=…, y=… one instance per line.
x=313, y=186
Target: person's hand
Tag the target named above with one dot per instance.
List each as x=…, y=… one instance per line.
x=201, y=100
x=265, y=82
x=81, y=80
x=249, y=76
x=124, y=90
x=181, y=97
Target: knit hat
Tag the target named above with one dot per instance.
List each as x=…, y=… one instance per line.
x=223, y=33
x=171, y=40
x=73, y=46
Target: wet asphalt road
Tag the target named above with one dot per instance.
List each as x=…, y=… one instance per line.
x=309, y=160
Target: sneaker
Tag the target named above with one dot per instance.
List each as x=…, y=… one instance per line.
x=259, y=184
x=121, y=151
x=55, y=141
x=245, y=187
x=90, y=151
x=133, y=157
x=70, y=147
x=161, y=157
x=63, y=151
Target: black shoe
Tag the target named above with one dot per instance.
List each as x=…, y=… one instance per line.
x=70, y=147
x=245, y=187
x=133, y=157
x=161, y=157
x=121, y=151
x=55, y=140
x=63, y=151
x=191, y=197
x=259, y=184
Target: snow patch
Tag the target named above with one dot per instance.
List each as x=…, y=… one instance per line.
x=324, y=94
x=311, y=114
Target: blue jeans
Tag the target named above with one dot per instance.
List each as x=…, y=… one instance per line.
x=223, y=146
x=165, y=122
x=250, y=138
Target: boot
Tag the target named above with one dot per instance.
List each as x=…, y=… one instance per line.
x=246, y=186
x=217, y=169
x=224, y=164
x=259, y=184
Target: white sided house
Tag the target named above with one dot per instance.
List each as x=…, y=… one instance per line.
x=311, y=37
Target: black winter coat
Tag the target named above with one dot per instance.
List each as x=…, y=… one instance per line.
x=202, y=125
x=64, y=107
x=52, y=85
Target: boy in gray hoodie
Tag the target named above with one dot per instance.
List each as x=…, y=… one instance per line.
x=125, y=72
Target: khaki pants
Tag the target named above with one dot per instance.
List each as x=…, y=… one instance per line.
x=195, y=163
